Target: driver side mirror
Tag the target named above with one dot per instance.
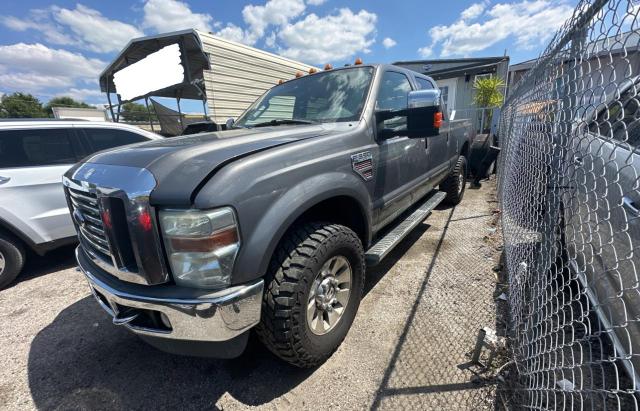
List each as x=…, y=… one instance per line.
x=423, y=115
x=230, y=122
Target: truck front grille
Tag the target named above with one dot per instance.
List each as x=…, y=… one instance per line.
x=109, y=205
x=86, y=214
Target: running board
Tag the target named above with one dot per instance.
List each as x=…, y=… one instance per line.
x=380, y=249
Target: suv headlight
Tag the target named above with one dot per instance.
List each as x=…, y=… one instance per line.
x=201, y=245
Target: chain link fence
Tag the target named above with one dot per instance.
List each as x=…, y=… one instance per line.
x=569, y=189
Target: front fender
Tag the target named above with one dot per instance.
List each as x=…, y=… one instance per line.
x=261, y=240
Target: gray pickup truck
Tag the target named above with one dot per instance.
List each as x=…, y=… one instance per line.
x=193, y=241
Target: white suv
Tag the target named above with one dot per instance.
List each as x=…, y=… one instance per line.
x=34, y=154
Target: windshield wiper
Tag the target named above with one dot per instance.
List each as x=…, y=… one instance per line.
x=283, y=121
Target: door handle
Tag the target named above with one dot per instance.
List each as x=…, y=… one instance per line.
x=578, y=161
x=4, y=179
x=630, y=206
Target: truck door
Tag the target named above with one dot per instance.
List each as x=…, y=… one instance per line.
x=436, y=162
x=401, y=159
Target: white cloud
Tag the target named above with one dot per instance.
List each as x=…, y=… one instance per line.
x=172, y=15
x=388, y=42
x=330, y=38
x=82, y=27
x=32, y=82
x=38, y=58
x=39, y=20
x=95, y=31
x=274, y=12
x=270, y=40
x=473, y=11
x=529, y=23
x=316, y=2
x=233, y=33
x=35, y=67
x=425, y=52
x=83, y=94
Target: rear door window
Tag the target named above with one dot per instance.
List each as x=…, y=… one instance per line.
x=424, y=84
x=36, y=147
x=621, y=120
x=105, y=138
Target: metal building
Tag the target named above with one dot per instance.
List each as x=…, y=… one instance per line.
x=226, y=76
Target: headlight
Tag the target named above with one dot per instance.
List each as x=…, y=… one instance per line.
x=201, y=245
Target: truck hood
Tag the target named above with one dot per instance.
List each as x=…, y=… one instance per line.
x=181, y=165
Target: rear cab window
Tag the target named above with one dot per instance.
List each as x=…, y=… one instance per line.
x=37, y=147
x=424, y=84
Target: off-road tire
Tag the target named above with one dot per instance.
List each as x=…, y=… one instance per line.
x=14, y=257
x=283, y=327
x=451, y=184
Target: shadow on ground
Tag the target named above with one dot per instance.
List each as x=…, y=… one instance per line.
x=54, y=261
x=81, y=361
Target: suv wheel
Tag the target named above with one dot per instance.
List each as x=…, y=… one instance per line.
x=314, y=288
x=11, y=259
x=455, y=182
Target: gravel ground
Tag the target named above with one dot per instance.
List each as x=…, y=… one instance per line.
x=407, y=348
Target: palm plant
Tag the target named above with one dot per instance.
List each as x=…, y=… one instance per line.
x=488, y=94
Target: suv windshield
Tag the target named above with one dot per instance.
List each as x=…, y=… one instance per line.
x=328, y=96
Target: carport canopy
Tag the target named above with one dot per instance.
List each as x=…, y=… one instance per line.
x=193, y=59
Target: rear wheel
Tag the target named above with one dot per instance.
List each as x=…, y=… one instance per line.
x=455, y=183
x=11, y=259
x=314, y=287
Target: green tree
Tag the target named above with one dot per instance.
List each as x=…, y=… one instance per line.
x=489, y=93
x=21, y=105
x=136, y=112
x=63, y=102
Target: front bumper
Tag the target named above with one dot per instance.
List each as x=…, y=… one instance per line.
x=212, y=317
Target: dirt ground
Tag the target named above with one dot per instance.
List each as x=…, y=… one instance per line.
x=408, y=347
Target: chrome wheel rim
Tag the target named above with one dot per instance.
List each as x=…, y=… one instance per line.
x=460, y=182
x=329, y=295
x=2, y=263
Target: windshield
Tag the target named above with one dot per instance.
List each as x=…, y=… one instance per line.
x=328, y=96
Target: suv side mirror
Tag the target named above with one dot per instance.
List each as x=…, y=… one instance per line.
x=423, y=113
x=230, y=122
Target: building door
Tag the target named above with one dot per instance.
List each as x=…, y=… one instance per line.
x=448, y=89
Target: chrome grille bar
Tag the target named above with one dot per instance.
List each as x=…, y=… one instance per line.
x=92, y=229
x=82, y=197
x=92, y=240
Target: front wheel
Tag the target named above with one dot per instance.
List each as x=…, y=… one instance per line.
x=11, y=259
x=314, y=287
x=455, y=182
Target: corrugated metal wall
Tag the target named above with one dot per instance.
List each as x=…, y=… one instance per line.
x=240, y=74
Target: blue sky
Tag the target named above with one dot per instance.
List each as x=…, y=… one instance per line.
x=59, y=48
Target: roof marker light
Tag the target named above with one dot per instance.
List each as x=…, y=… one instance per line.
x=358, y=61
x=328, y=66
x=313, y=70
x=298, y=74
